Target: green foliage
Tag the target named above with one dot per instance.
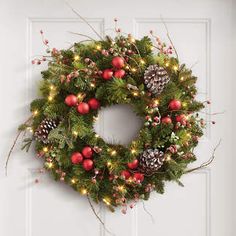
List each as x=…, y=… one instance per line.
x=78, y=71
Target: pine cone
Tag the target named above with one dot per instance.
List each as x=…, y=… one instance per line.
x=150, y=161
x=155, y=79
x=43, y=130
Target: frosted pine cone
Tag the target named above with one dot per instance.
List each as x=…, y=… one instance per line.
x=150, y=161
x=155, y=79
x=43, y=130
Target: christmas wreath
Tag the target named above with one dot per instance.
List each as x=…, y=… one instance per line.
x=121, y=70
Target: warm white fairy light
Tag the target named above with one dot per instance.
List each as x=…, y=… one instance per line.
x=113, y=152
x=45, y=149
x=75, y=133
x=92, y=85
x=96, y=136
x=156, y=102
x=49, y=165
x=50, y=98
x=182, y=78
x=84, y=191
x=142, y=61
x=98, y=47
x=76, y=57
x=35, y=112
x=133, y=151
x=133, y=69
x=73, y=180
x=106, y=201
x=52, y=87
x=135, y=93
x=175, y=68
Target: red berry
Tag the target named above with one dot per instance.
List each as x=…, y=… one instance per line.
x=119, y=74
x=88, y=164
x=175, y=104
x=87, y=152
x=133, y=164
x=83, y=108
x=71, y=100
x=118, y=62
x=125, y=174
x=138, y=177
x=76, y=158
x=94, y=103
x=107, y=74
x=166, y=120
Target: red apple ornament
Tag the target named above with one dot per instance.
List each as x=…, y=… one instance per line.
x=107, y=74
x=83, y=108
x=133, y=165
x=94, y=103
x=138, y=177
x=175, y=104
x=76, y=158
x=87, y=152
x=71, y=100
x=125, y=174
x=119, y=74
x=166, y=120
x=118, y=62
x=88, y=164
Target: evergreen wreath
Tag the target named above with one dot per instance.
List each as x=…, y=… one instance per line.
x=102, y=73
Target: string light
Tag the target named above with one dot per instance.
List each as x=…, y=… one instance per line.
x=175, y=68
x=167, y=64
x=133, y=151
x=184, y=104
x=35, y=113
x=30, y=129
x=75, y=133
x=188, y=135
x=45, y=149
x=127, y=67
x=50, y=98
x=92, y=85
x=98, y=47
x=142, y=61
x=156, y=102
x=52, y=87
x=73, y=181
x=96, y=136
x=106, y=201
x=49, y=165
x=109, y=164
x=113, y=152
x=133, y=69
x=182, y=78
x=135, y=93
x=121, y=188
x=84, y=191
x=76, y=57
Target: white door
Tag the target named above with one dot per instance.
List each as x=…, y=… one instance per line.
x=202, y=33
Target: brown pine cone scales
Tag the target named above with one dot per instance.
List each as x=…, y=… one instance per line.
x=155, y=79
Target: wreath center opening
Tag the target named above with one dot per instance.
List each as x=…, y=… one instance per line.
x=118, y=124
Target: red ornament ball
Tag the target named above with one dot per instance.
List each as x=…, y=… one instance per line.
x=88, y=164
x=180, y=118
x=125, y=174
x=166, y=120
x=87, y=152
x=107, y=74
x=118, y=62
x=119, y=74
x=138, y=177
x=133, y=165
x=76, y=158
x=83, y=108
x=94, y=103
x=175, y=104
x=71, y=100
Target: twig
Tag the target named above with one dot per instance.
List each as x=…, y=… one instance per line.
x=98, y=217
x=83, y=35
x=145, y=209
x=168, y=35
x=207, y=163
x=83, y=19
x=14, y=144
